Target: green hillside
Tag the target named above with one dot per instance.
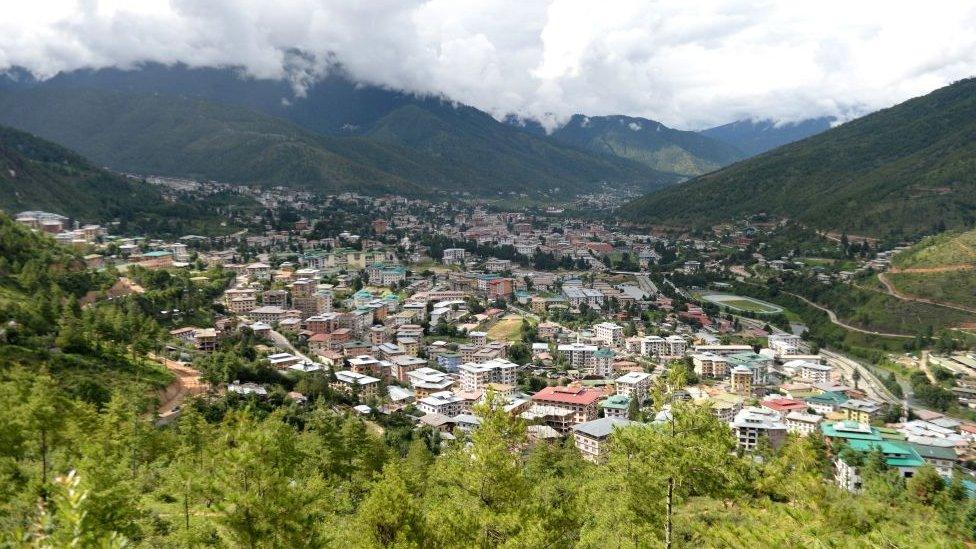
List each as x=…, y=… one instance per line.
x=411, y=151
x=648, y=142
x=36, y=174
x=900, y=172
x=476, y=150
x=940, y=268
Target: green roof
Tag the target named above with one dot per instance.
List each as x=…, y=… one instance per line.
x=616, y=402
x=897, y=454
x=828, y=397
x=934, y=452
x=603, y=353
x=846, y=430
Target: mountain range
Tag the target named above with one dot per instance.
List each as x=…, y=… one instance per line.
x=212, y=124
x=899, y=172
x=215, y=123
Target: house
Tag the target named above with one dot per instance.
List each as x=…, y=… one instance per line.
x=591, y=437
x=617, y=406
x=580, y=400
x=634, y=385
x=751, y=424
x=784, y=406
x=443, y=402
x=352, y=382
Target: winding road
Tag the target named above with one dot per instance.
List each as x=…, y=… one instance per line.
x=833, y=318
x=894, y=292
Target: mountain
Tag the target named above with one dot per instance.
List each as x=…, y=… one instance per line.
x=392, y=143
x=648, y=142
x=36, y=174
x=754, y=137
x=900, y=172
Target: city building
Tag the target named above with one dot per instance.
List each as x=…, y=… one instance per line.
x=591, y=437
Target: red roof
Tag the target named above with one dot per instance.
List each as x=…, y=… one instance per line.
x=319, y=338
x=569, y=395
x=784, y=404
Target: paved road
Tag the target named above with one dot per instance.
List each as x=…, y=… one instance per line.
x=869, y=382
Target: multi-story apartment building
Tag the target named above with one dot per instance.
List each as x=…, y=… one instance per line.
x=634, y=385
x=581, y=400
x=611, y=334
x=753, y=423
x=591, y=437
x=579, y=355
x=710, y=365
x=476, y=377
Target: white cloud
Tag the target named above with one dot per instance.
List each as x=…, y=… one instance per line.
x=687, y=64
x=634, y=126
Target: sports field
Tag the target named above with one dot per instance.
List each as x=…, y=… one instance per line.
x=741, y=303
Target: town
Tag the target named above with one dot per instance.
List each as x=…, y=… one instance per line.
x=408, y=312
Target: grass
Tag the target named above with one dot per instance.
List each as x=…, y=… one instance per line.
x=955, y=287
x=749, y=304
x=506, y=329
x=951, y=248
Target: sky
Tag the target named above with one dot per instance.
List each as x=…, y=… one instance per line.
x=688, y=64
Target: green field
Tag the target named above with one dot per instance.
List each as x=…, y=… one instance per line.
x=741, y=303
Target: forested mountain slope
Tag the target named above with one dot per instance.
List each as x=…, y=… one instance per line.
x=648, y=142
x=902, y=171
x=36, y=174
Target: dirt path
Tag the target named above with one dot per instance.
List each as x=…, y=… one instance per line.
x=894, y=292
x=740, y=270
x=188, y=383
x=942, y=269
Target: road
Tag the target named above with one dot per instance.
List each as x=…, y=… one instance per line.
x=283, y=343
x=869, y=382
x=833, y=318
x=894, y=292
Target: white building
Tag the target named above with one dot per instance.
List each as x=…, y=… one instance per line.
x=677, y=346
x=476, y=377
x=444, y=402
x=752, y=423
x=815, y=373
x=634, y=385
x=579, y=355
x=801, y=423
x=785, y=344
x=454, y=256
x=610, y=333
x=654, y=346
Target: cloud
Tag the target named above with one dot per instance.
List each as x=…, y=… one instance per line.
x=687, y=64
x=634, y=126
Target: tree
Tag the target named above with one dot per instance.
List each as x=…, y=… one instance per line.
x=687, y=454
x=925, y=485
